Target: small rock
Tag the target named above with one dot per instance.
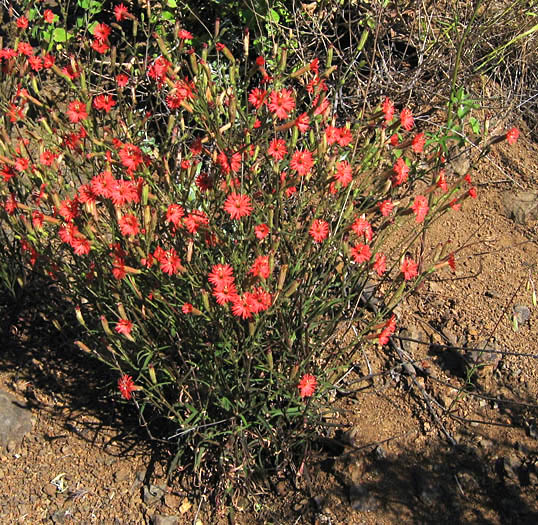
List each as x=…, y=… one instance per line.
x=281, y=488
x=449, y=336
x=158, y=519
x=59, y=516
x=122, y=474
x=380, y=452
x=49, y=489
x=11, y=447
x=511, y=465
x=522, y=206
x=522, y=313
x=172, y=501
x=152, y=494
x=1, y=474
x=15, y=420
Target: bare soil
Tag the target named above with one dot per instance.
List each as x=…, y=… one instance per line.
x=406, y=448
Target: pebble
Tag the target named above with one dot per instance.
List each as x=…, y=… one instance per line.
x=172, y=501
x=49, y=489
x=1, y=474
x=153, y=493
x=522, y=313
x=121, y=475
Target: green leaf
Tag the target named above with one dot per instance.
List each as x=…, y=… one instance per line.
x=59, y=35
x=274, y=16
x=172, y=3
x=167, y=15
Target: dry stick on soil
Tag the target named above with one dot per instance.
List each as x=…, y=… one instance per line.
x=428, y=400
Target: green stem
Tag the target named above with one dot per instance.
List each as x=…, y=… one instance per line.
x=458, y=58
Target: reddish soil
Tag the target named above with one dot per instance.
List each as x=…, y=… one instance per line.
x=390, y=462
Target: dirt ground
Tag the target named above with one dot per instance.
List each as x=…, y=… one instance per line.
x=412, y=446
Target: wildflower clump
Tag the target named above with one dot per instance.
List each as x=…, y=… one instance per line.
x=223, y=219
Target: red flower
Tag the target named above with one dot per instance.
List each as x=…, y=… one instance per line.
x=361, y=253
x=452, y=261
x=21, y=163
x=454, y=204
x=105, y=102
x=76, y=111
x=277, y=149
x=126, y=386
x=37, y=219
x=302, y=122
x=343, y=136
x=331, y=134
x=187, y=308
x=122, y=80
x=402, y=171
x=261, y=267
x=362, y=226
x=170, y=262
x=257, y=97
x=420, y=207
x=302, y=162
x=388, y=109
x=441, y=181
x=388, y=330
x=22, y=22
x=24, y=48
x=319, y=230
x=129, y=225
x=472, y=192
x=418, y=142
x=101, y=32
x=512, y=135
x=182, y=34
x=409, y=268
x=120, y=12
x=221, y=275
x=36, y=63
x=81, y=246
x=48, y=61
x=281, y=103
x=386, y=207
x=380, y=264
x=344, y=173
x=261, y=231
x=238, y=205
x=226, y=294
x=406, y=119
x=48, y=16
x=174, y=214
x=124, y=327
x=242, y=307
x=307, y=385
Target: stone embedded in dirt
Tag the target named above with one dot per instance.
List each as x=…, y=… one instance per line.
x=15, y=420
x=152, y=494
x=380, y=452
x=121, y=475
x=511, y=466
x=172, y=500
x=522, y=313
x=522, y=206
x=50, y=490
x=159, y=519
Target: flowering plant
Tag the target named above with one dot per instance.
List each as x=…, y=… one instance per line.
x=216, y=224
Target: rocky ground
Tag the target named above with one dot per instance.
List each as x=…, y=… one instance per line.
x=412, y=446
